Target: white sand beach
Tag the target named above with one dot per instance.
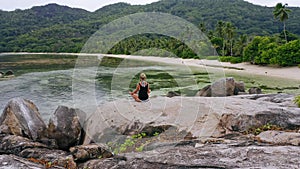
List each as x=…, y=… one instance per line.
x=284, y=72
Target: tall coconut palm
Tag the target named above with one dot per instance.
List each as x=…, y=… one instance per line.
x=220, y=29
x=241, y=44
x=230, y=33
x=282, y=13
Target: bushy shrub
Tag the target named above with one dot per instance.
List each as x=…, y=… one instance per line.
x=231, y=59
x=269, y=51
x=236, y=60
x=225, y=58
x=266, y=50
x=212, y=57
x=289, y=54
x=252, y=50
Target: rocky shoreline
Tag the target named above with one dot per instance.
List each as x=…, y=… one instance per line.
x=260, y=131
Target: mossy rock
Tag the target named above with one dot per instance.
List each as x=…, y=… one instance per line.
x=9, y=73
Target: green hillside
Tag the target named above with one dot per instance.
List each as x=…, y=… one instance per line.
x=55, y=28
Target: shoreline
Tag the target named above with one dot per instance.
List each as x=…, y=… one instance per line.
x=292, y=73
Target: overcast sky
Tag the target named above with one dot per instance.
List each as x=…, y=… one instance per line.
x=92, y=5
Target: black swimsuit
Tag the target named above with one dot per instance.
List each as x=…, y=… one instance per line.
x=143, y=93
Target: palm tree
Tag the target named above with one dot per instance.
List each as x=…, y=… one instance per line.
x=282, y=13
x=220, y=29
x=230, y=32
x=241, y=44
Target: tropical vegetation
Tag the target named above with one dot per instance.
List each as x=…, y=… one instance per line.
x=238, y=30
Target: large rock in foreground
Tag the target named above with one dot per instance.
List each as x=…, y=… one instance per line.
x=200, y=117
x=187, y=129
x=22, y=118
x=39, y=153
x=206, y=156
x=11, y=144
x=65, y=127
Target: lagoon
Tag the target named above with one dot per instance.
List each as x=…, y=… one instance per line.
x=48, y=80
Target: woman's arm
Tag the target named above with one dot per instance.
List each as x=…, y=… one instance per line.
x=149, y=90
x=136, y=90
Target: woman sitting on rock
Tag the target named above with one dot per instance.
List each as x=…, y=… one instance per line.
x=142, y=88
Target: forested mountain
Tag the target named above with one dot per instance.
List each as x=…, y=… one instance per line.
x=55, y=28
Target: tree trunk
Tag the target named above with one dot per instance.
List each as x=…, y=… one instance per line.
x=223, y=47
x=231, y=47
x=284, y=31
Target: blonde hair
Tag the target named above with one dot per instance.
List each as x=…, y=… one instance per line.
x=143, y=76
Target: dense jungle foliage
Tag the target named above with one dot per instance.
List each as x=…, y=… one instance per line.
x=238, y=30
